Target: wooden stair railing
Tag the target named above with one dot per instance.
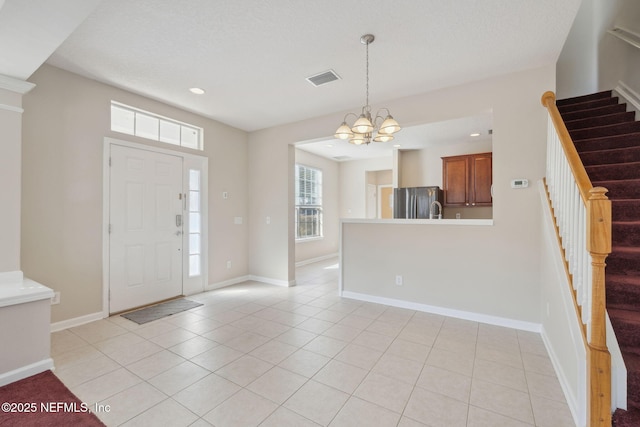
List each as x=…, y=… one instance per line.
x=583, y=222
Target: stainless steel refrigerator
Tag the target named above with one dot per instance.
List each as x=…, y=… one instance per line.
x=415, y=202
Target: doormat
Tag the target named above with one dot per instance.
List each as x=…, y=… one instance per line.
x=155, y=312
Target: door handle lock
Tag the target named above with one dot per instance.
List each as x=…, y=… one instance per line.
x=178, y=233
x=178, y=220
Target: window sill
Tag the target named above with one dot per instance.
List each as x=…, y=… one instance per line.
x=309, y=239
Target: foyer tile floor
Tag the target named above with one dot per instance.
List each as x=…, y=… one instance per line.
x=262, y=355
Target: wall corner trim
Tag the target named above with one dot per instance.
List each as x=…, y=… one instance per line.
x=15, y=85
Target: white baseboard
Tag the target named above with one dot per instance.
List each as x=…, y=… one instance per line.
x=466, y=315
x=225, y=283
x=276, y=282
x=317, y=259
x=76, y=321
x=26, y=371
x=572, y=401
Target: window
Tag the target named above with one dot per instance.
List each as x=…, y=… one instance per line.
x=308, y=202
x=195, y=223
x=132, y=121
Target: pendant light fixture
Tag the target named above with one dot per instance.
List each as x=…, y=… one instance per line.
x=365, y=128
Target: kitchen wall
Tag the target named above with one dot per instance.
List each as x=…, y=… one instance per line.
x=65, y=122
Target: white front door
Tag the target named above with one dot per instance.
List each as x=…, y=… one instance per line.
x=145, y=220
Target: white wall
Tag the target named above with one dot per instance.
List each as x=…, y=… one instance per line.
x=10, y=176
x=490, y=270
x=65, y=122
x=328, y=245
x=353, y=184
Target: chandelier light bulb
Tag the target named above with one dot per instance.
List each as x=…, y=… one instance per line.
x=390, y=125
x=344, y=132
x=362, y=125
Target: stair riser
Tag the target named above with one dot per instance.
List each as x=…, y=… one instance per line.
x=605, y=94
x=600, y=121
x=608, y=143
x=587, y=105
x=620, y=189
x=627, y=155
x=610, y=130
x=625, y=210
x=622, y=265
x=595, y=112
x=625, y=234
x=627, y=334
x=613, y=172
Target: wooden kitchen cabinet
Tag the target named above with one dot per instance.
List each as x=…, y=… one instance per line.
x=466, y=180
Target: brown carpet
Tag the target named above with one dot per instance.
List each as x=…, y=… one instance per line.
x=42, y=400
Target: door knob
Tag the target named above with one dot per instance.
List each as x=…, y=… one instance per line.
x=178, y=233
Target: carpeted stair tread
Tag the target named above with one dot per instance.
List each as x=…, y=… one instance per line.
x=624, y=418
x=620, y=189
x=583, y=98
x=608, y=142
x=618, y=171
x=624, y=260
x=594, y=112
x=608, y=119
x=608, y=130
x=626, y=324
x=586, y=105
x=609, y=157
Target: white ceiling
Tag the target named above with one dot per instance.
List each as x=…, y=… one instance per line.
x=252, y=56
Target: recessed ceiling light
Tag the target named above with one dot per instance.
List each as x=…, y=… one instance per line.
x=329, y=145
x=475, y=134
x=397, y=145
x=197, y=90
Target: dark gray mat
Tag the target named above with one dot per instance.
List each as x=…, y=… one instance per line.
x=155, y=312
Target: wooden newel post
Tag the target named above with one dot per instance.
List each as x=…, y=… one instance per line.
x=599, y=359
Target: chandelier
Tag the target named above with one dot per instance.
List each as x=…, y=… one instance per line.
x=365, y=129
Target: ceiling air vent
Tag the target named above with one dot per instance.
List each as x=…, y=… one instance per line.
x=323, y=78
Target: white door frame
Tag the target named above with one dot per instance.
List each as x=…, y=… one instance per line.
x=189, y=286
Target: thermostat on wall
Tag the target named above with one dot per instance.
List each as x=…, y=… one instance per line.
x=519, y=183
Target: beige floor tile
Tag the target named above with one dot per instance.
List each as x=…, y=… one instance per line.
x=357, y=355
x=304, y=362
x=133, y=353
x=479, y=417
x=493, y=353
x=388, y=328
x=455, y=345
x=277, y=384
x=105, y=386
x=283, y=417
x=545, y=386
x=435, y=409
x=242, y=409
x=244, y=370
x=65, y=341
x=384, y=391
x=203, y=326
x=274, y=352
x=173, y=337
x=538, y=364
x=502, y=400
x=355, y=321
x=373, y=340
x=98, y=331
x=246, y=342
x=216, y=358
x=423, y=337
x=205, y=394
x=223, y=334
x=408, y=422
x=130, y=403
x=119, y=343
x=296, y=337
x=499, y=373
x=179, y=377
x=457, y=362
x=155, y=364
x=357, y=412
x=155, y=328
x=76, y=355
x=326, y=346
x=370, y=310
x=448, y=383
x=329, y=315
x=82, y=372
x=341, y=376
x=398, y=368
x=168, y=413
x=192, y=347
x=409, y=350
x=550, y=413
x=342, y=332
x=314, y=325
x=317, y=402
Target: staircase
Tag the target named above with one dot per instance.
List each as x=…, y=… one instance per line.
x=607, y=137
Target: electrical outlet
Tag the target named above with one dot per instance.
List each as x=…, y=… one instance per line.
x=228, y=264
x=56, y=298
x=398, y=280
x=268, y=220
x=225, y=195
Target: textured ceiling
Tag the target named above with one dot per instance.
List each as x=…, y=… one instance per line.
x=252, y=56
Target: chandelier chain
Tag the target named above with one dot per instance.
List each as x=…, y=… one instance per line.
x=367, y=49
